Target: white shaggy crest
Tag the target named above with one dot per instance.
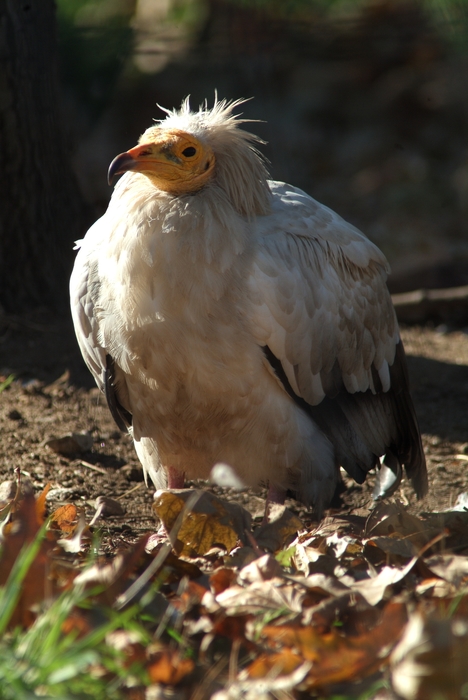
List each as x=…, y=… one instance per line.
x=241, y=170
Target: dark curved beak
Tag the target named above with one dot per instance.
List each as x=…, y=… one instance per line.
x=120, y=165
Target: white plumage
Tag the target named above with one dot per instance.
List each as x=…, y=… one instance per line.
x=233, y=319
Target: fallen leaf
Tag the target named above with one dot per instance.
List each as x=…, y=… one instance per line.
x=81, y=533
x=169, y=668
x=375, y=589
x=278, y=664
x=65, y=518
x=37, y=583
x=262, y=569
x=262, y=597
x=41, y=504
x=336, y=658
x=209, y=522
x=451, y=567
x=281, y=529
x=221, y=579
x=392, y=519
x=430, y=662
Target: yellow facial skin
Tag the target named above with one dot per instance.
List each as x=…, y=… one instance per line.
x=177, y=162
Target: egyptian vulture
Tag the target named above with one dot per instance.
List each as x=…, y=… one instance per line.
x=230, y=318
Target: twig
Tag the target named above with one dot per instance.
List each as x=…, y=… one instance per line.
x=93, y=467
x=127, y=493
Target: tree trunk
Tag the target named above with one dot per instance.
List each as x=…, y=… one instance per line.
x=41, y=209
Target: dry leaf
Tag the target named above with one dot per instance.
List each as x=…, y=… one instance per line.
x=65, y=518
x=451, y=567
x=81, y=533
x=281, y=529
x=262, y=569
x=430, y=662
x=41, y=504
x=342, y=544
x=273, y=665
x=169, y=667
x=375, y=589
x=392, y=519
x=208, y=523
x=336, y=658
x=262, y=597
x=221, y=579
x=37, y=584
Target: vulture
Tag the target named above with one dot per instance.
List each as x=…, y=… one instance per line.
x=230, y=318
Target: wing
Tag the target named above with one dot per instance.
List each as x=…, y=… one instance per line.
x=85, y=289
x=322, y=311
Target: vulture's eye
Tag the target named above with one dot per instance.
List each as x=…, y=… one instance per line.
x=189, y=151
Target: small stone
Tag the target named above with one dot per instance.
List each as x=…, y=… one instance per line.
x=109, y=506
x=15, y=415
x=132, y=472
x=67, y=445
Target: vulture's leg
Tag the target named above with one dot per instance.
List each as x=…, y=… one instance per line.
x=175, y=478
x=389, y=476
x=274, y=495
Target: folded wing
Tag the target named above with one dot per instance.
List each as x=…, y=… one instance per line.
x=322, y=312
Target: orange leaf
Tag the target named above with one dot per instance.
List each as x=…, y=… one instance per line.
x=76, y=622
x=37, y=584
x=41, y=504
x=232, y=627
x=221, y=579
x=282, y=663
x=169, y=668
x=337, y=658
x=65, y=518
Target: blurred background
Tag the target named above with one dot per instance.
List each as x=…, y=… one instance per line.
x=363, y=103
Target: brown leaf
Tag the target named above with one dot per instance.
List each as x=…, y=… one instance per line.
x=65, y=518
x=430, y=662
x=336, y=658
x=233, y=628
x=169, y=668
x=114, y=575
x=41, y=504
x=393, y=520
x=280, y=530
x=262, y=597
x=77, y=623
x=374, y=589
x=451, y=567
x=38, y=583
x=262, y=569
x=221, y=579
x=279, y=664
x=209, y=522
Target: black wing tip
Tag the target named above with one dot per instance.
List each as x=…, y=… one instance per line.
x=122, y=417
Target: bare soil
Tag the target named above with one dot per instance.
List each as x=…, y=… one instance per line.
x=53, y=395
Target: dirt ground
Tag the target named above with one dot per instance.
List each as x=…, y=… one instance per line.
x=53, y=395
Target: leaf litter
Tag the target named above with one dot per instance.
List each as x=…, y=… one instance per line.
x=281, y=610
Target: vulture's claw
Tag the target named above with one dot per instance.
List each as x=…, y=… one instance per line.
x=388, y=478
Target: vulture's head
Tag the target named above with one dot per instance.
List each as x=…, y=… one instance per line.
x=190, y=151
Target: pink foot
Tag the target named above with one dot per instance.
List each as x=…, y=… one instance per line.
x=175, y=478
x=274, y=495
